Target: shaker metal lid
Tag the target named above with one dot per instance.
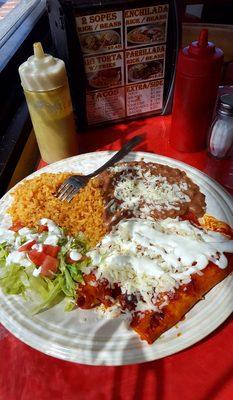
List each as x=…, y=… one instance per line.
x=225, y=104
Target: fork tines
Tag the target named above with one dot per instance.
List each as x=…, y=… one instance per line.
x=67, y=192
x=69, y=188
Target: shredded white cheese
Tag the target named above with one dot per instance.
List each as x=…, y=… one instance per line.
x=147, y=258
x=141, y=192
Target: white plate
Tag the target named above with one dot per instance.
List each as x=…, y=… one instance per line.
x=109, y=342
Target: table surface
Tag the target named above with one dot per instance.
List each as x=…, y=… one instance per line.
x=202, y=372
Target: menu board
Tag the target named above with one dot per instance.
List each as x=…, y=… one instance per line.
x=124, y=58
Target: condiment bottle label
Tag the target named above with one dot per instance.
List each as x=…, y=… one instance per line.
x=53, y=106
x=124, y=67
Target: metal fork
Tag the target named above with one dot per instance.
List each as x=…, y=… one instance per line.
x=74, y=183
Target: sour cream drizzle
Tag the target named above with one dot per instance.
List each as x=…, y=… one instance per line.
x=151, y=257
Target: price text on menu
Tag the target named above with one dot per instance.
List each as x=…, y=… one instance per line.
x=124, y=56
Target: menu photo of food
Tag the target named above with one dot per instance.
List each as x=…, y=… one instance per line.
x=103, y=41
x=146, y=34
x=104, y=78
x=145, y=71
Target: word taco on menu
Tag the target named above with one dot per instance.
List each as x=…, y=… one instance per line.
x=136, y=242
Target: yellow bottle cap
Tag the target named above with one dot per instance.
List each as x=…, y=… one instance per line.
x=42, y=72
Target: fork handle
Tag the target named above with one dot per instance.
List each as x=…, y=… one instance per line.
x=119, y=155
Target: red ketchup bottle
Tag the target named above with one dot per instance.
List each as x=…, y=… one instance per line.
x=197, y=78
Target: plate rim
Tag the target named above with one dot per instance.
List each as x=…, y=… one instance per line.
x=9, y=322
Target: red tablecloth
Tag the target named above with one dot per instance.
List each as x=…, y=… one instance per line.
x=202, y=372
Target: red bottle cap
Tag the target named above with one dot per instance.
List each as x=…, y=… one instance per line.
x=201, y=47
x=200, y=58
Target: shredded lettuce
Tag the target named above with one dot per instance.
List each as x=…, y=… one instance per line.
x=39, y=286
x=80, y=243
x=66, y=281
x=18, y=280
x=63, y=286
x=75, y=271
x=3, y=254
x=62, y=241
x=70, y=305
x=52, y=296
x=14, y=280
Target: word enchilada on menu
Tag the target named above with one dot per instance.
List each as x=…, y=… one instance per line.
x=120, y=56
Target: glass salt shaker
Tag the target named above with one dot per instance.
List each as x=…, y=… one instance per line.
x=220, y=140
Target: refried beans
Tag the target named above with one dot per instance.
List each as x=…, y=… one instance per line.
x=149, y=190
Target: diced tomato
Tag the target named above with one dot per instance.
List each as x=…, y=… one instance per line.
x=37, y=257
x=51, y=250
x=49, y=266
x=42, y=228
x=27, y=246
x=16, y=226
x=48, y=263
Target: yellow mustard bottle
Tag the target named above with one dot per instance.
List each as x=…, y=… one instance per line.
x=44, y=80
